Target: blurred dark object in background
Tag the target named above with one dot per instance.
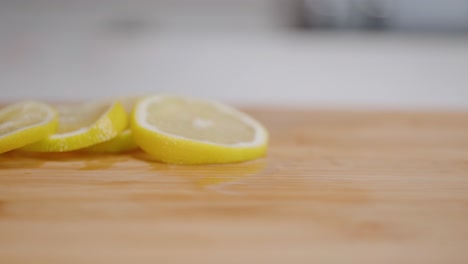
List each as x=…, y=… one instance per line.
x=403, y=15
x=311, y=52
x=241, y=15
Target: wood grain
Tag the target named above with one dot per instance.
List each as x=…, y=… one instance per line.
x=336, y=187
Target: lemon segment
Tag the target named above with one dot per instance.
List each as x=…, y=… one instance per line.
x=122, y=142
x=82, y=126
x=182, y=130
x=25, y=123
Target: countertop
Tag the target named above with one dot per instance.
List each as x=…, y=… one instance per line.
x=335, y=187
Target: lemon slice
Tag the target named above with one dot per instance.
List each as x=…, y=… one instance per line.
x=124, y=140
x=181, y=130
x=24, y=123
x=83, y=125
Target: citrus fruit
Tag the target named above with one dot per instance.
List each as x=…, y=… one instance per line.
x=83, y=125
x=124, y=140
x=24, y=123
x=181, y=130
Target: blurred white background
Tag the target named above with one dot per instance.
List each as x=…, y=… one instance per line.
x=400, y=54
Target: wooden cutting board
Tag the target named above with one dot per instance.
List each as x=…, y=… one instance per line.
x=336, y=187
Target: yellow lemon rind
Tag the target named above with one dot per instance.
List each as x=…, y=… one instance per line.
x=108, y=126
x=30, y=134
x=175, y=149
x=123, y=142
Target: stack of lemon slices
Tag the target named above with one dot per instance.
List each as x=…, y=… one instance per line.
x=171, y=129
